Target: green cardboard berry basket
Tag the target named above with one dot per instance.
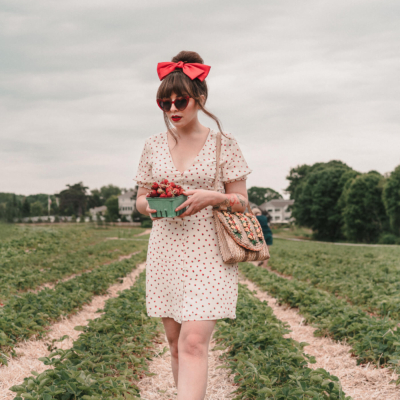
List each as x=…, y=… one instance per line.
x=165, y=206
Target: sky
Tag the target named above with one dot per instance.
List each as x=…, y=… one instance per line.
x=295, y=82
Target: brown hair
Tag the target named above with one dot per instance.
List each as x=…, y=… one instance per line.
x=181, y=85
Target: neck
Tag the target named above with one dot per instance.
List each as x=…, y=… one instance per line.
x=193, y=128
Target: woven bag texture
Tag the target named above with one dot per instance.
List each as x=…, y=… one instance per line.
x=240, y=237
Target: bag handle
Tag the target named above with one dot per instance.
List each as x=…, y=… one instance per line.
x=217, y=170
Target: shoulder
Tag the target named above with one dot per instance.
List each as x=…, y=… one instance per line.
x=153, y=142
x=227, y=140
x=230, y=147
x=156, y=138
x=227, y=137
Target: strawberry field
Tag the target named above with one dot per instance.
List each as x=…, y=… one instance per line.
x=50, y=274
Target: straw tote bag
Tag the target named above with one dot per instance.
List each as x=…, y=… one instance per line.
x=240, y=237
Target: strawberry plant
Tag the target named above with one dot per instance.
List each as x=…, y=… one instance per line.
x=365, y=276
x=31, y=313
x=110, y=355
x=373, y=340
x=267, y=365
x=86, y=257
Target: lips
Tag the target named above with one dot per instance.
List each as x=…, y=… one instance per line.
x=176, y=118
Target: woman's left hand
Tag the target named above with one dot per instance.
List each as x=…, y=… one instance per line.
x=198, y=200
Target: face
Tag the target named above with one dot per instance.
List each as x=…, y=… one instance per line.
x=182, y=118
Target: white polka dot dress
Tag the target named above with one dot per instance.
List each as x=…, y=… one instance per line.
x=186, y=277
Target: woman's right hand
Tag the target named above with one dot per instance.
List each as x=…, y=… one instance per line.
x=150, y=210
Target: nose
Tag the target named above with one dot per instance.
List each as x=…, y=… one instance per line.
x=173, y=108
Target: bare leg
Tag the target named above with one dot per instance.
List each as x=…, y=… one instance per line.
x=193, y=346
x=172, y=330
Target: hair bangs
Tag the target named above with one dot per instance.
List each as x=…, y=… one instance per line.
x=174, y=83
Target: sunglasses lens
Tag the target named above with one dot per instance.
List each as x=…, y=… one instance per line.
x=165, y=105
x=181, y=104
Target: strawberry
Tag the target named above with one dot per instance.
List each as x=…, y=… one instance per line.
x=173, y=184
x=153, y=193
x=155, y=186
x=165, y=181
x=159, y=190
x=163, y=195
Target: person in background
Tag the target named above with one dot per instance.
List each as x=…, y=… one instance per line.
x=263, y=220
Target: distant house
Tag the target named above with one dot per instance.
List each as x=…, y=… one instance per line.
x=97, y=210
x=126, y=203
x=278, y=210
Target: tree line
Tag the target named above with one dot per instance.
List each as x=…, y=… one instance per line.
x=340, y=203
x=73, y=201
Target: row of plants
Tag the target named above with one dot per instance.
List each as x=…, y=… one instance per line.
x=29, y=314
x=265, y=364
x=41, y=239
x=373, y=340
x=368, y=277
x=26, y=242
x=58, y=260
x=110, y=355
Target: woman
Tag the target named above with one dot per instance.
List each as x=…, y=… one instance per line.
x=263, y=220
x=187, y=283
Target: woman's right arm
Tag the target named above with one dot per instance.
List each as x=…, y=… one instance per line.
x=141, y=201
x=142, y=205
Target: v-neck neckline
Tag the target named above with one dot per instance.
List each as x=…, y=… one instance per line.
x=172, y=160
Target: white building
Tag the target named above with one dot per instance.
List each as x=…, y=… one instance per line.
x=278, y=210
x=97, y=210
x=126, y=203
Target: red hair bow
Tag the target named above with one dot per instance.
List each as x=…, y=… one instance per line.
x=192, y=70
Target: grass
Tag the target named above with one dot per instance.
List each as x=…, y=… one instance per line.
x=291, y=232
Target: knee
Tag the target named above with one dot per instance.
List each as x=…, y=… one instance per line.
x=173, y=348
x=193, y=346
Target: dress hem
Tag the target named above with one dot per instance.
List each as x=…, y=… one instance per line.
x=230, y=316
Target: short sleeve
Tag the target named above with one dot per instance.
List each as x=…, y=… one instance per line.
x=234, y=166
x=144, y=176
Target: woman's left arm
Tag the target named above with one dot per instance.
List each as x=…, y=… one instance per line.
x=234, y=199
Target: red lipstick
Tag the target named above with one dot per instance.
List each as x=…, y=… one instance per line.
x=176, y=118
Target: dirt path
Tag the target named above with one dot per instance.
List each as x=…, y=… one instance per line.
x=30, y=351
x=162, y=386
x=362, y=383
x=146, y=232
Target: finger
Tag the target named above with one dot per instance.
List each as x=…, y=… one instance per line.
x=189, y=192
x=188, y=212
x=183, y=205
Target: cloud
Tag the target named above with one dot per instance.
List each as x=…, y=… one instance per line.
x=294, y=82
